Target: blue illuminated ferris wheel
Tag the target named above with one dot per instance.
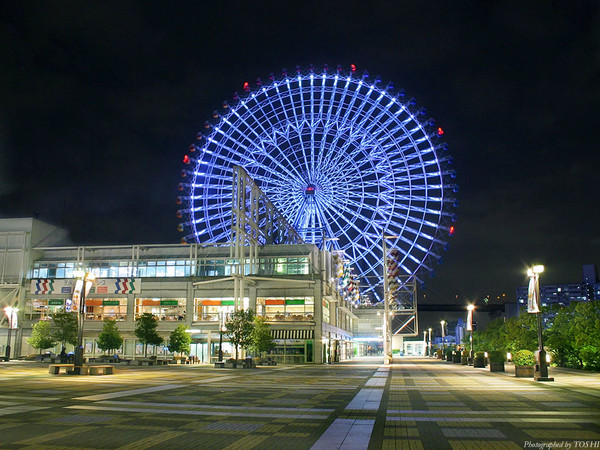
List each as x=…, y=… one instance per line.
x=341, y=156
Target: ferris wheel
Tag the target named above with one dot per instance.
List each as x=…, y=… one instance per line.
x=340, y=155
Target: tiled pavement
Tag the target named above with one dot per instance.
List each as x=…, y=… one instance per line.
x=415, y=403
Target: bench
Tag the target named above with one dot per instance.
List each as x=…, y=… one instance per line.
x=100, y=370
x=55, y=369
x=219, y=364
x=67, y=369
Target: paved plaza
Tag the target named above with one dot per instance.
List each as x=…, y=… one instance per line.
x=414, y=403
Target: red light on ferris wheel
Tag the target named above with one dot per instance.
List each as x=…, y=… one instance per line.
x=440, y=131
x=451, y=230
x=352, y=68
x=247, y=86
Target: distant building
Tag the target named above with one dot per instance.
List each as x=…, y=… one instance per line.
x=564, y=294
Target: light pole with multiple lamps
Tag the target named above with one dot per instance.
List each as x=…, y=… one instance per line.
x=533, y=306
x=82, y=288
x=470, y=309
x=11, y=315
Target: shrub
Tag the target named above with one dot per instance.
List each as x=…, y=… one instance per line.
x=524, y=358
x=497, y=356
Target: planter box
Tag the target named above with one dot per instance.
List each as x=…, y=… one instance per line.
x=496, y=367
x=479, y=362
x=456, y=359
x=524, y=371
x=465, y=360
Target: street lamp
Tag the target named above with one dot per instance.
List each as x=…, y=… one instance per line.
x=470, y=309
x=11, y=315
x=424, y=342
x=533, y=306
x=443, y=324
x=221, y=329
x=82, y=288
x=387, y=351
x=429, y=329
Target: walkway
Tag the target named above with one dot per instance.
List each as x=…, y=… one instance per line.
x=415, y=403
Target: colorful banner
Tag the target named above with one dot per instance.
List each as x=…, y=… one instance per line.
x=533, y=300
x=47, y=286
x=469, y=320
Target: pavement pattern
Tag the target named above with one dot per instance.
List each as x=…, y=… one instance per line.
x=415, y=403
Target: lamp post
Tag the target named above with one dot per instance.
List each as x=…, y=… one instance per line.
x=470, y=310
x=387, y=350
x=82, y=288
x=221, y=329
x=430, y=330
x=443, y=324
x=11, y=316
x=424, y=342
x=533, y=306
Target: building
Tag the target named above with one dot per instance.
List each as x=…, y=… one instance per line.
x=294, y=287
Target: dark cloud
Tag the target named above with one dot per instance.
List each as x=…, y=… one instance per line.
x=101, y=99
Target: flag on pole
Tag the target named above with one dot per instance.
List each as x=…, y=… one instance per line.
x=533, y=300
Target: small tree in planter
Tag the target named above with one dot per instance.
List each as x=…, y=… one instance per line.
x=41, y=336
x=456, y=356
x=145, y=331
x=239, y=329
x=180, y=340
x=497, y=358
x=449, y=352
x=110, y=337
x=479, y=360
x=465, y=357
x=524, y=364
x=262, y=341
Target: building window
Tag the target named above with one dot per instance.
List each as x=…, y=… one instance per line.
x=211, y=309
x=286, y=308
x=106, y=308
x=42, y=309
x=169, y=309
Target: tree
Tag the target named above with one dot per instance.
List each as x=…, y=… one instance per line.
x=180, y=340
x=109, y=338
x=521, y=332
x=41, y=336
x=64, y=327
x=492, y=338
x=262, y=341
x=145, y=331
x=239, y=329
x=561, y=337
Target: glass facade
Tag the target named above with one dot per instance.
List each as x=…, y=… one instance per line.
x=169, y=268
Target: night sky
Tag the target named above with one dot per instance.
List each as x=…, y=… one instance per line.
x=100, y=101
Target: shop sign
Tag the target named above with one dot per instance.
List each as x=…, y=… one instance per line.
x=110, y=302
x=169, y=303
x=56, y=302
x=294, y=342
x=295, y=302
